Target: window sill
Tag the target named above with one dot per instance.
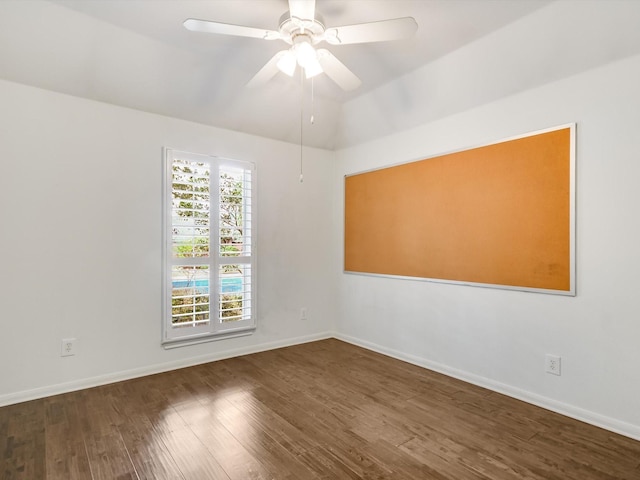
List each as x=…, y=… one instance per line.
x=185, y=342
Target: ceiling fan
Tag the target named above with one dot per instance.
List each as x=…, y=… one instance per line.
x=303, y=28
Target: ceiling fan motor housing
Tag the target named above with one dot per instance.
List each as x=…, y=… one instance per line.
x=293, y=27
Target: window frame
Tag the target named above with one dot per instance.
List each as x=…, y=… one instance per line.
x=214, y=329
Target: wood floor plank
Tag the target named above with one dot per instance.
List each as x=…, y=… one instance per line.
x=24, y=439
x=237, y=462
x=5, y=456
x=192, y=457
x=319, y=411
x=148, y=453
x=160, y=443
x=239, y=417
x=319, y=459
x=106, y=450
x=65, y=452
x=320, y=423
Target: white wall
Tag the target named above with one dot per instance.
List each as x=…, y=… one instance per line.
x=498, y=338
x=80, y=197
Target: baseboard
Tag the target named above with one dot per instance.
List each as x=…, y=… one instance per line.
x=577, y=413
x=67, y=387
x=611, y=424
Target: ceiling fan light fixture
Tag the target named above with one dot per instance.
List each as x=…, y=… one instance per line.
x=312, y=68
x=287, y=63
x=305, y=53
x=306, y=56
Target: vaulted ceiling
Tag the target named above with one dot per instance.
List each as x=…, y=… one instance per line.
x=137, y=54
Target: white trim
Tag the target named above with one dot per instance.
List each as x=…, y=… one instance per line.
x=90, y=382
x=195, y=340
x=577, y=413
x=565, y=293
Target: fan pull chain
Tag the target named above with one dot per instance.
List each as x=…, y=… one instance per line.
x=301, y=117
x=312, y=119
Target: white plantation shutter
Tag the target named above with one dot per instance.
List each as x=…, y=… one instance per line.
x=235, y=244
x=209, y=253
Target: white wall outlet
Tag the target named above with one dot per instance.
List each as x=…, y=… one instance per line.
x=303, y=313
x=552, y=364
x=68, y=347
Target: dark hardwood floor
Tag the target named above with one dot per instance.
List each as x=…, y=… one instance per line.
x=323, y=410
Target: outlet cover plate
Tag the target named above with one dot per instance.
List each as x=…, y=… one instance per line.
x=68, y=347
x=552, y=364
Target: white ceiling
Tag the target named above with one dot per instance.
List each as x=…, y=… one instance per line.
x=135, y=53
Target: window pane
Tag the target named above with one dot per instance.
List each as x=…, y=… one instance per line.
x=190, y=225
x=234, y=293
x=190, y=298
x=235, y=212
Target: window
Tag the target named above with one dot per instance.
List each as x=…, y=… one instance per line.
x=209, y=248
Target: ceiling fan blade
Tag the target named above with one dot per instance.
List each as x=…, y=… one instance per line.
x=207, y=26
x=302, y=9
x=267, y=72
x=381, y=31
x=337, y=71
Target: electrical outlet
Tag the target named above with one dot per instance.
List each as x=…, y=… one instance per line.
x=303, y=313
x=552, y=364
x=68, y=347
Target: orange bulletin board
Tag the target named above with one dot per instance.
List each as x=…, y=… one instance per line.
x=499, y=215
